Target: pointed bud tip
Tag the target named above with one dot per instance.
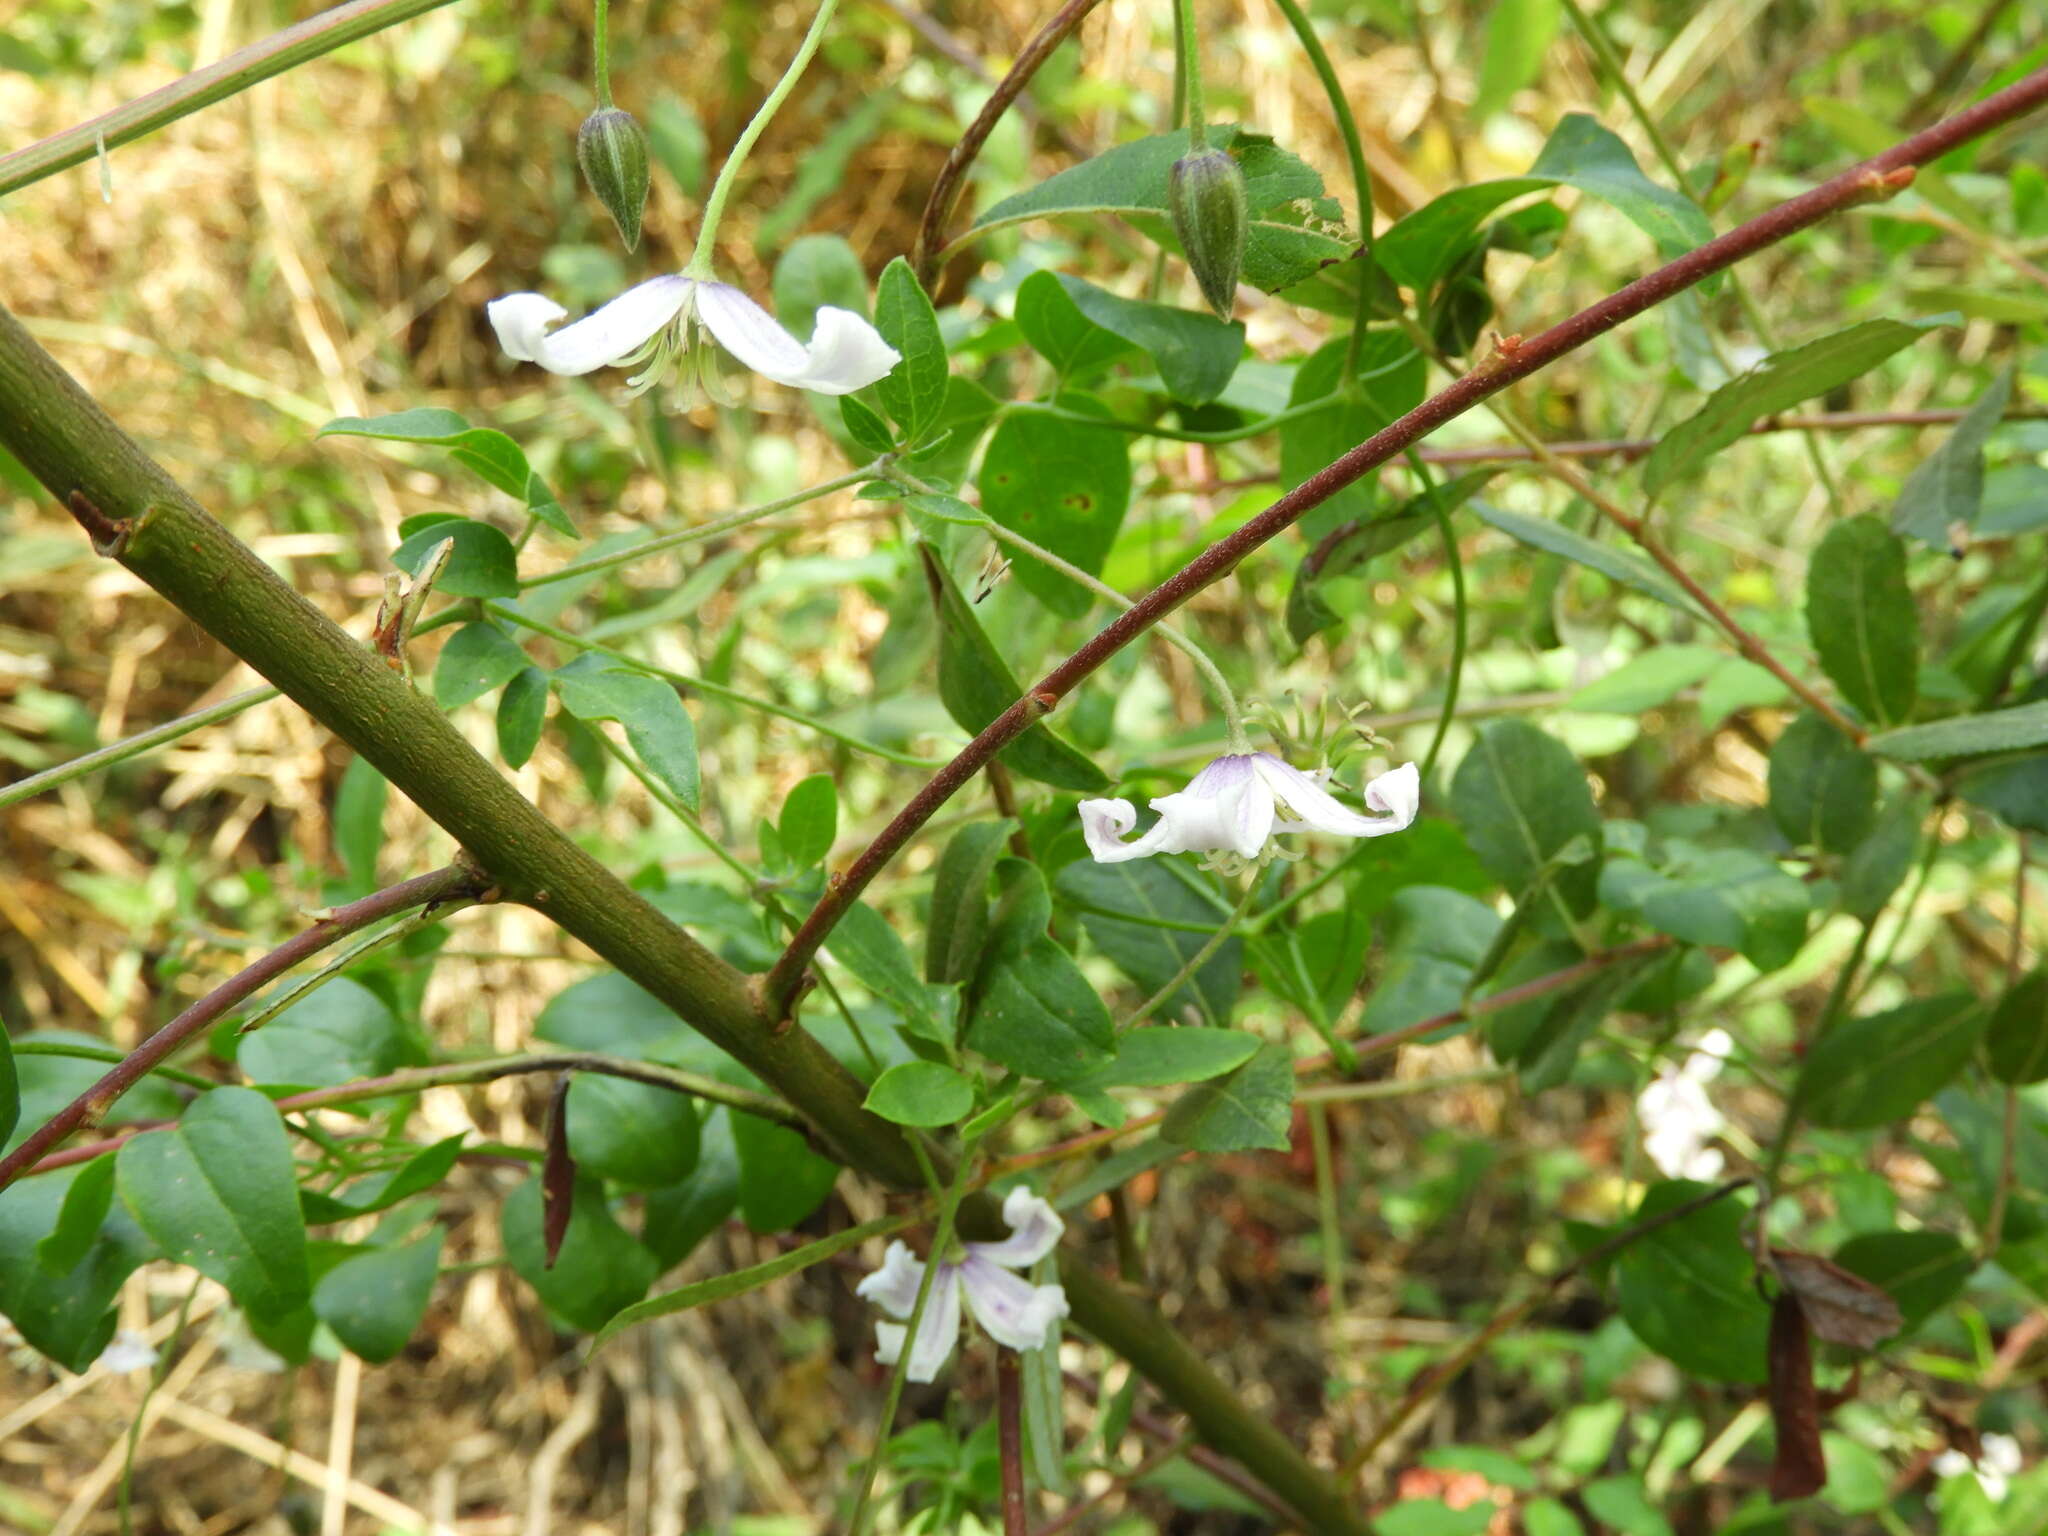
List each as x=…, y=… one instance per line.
x=1206, y=197
x=611, y=146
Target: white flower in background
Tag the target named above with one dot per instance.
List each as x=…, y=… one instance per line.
x=128, y=1350
x=657, y=321
x=1677, y=1117
x=1998, y=1463
x=1015, y=1312
x=1237, y=803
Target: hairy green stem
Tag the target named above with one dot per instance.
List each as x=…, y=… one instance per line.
x=721, y=189
x=308, y=39
x=601, y=50
x=139, y=745
x=1190, y=79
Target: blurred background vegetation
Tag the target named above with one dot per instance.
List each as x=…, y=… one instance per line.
x=324, y=246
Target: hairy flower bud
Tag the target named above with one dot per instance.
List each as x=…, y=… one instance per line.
x=612, y=149
x=1205, y=193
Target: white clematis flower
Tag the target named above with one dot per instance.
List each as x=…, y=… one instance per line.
x=2001, y=1461
x=128, y=1350
x=1678, y=1118
x=1015, y=1312
x=1237, y=803
x=653, y=322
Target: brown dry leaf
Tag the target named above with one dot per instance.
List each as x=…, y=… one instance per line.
x=1842, y=1308
x=1801, y=1467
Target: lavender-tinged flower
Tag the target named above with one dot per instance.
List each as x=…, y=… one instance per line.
x=1678, y=1118
x=1237, y=803
x=1015, y=1312
x=656, y=321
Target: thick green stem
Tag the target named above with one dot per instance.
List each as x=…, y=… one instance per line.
x=721, y=189
x=1190, y=80
x=136, y=513
x=280, y=51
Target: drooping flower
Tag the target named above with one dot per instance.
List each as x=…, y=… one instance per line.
x=1678, y=1118
x=656, y=322
x=1015, y=1312
x=1237, y=803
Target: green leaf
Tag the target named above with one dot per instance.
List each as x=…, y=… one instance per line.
x=1439, y=935
x=1947, y=491
x=1390, y=381
x=1823, y=789
x=1616, y=565
x=522, y=710
x=86, y=1204
x=1250, y=1107
x=1923, y=1271
x=976, y=685
x=1581, y=154
x=814, y=271
x=1149, y=954
x=866, y=945
x=738, y=1282
x=69, y=1316
x=489, y=452
x=1731, y=898
x=1433, y=1517
x=1346, y=551
x=1735, y=685
x=380, y=1191
x=1518, y=34
x=478, y=659
x=483, y=562
x=636, y=1134
x=1862, y=619
x=915, y=389
x=1065, y=487
x=1877, y=866
x=657, y=725
x=678, y=1218
x=924, y=1093
x=1778, y=383
x=1521, y=797
x=1623, y=1505
x=2016, y=1041
x=1642, y=683
x=1871, y=1071
x=1195, y=352
x=48, y=1083
x=217, y=1191
x=600, y=1267
x=1156, y=1056
x=1058, y=332
x=337, y=1033
x=10, y=1090
x=1289, y=236
x=2002, y=730
x=373, y=1301
x=809, y=823
x=359, y=821
x=958, y=925
x=869, y=432
x=1688, y=1288
x=781, y=1179
x=1036, y=1013
x=2015, y=790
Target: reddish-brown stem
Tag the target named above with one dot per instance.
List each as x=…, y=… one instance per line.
x=456, y=882
x=1010, y=1439
x=938, y=206
x=1879, y=177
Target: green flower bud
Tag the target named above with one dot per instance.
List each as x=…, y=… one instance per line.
x=612, y=148
x=1729, y=175
x=1205, y=193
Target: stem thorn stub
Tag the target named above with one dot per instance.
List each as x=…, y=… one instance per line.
x=109, y=535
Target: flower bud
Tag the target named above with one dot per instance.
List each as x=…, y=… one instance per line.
x=1205, y=194
x=612, y=148
x=1729, y=174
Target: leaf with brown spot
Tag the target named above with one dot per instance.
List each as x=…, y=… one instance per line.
x=1801, y=1467
x=1843, y=1308
x=558, y=1173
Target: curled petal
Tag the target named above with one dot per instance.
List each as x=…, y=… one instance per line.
x=893, y=1287
x=1035, y=1229
x=1015, y=1312
x=1314, y=806
x=601, y=339
x=1104, y=823
x=937, y=1331
x=845, y=354
x=1399, y=792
